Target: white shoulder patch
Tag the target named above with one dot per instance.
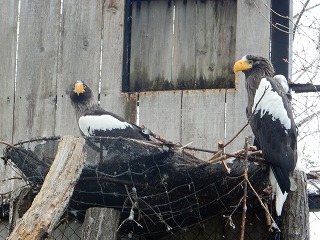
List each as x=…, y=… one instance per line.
x=283, y=81
x=88, y=124
x=270, y=103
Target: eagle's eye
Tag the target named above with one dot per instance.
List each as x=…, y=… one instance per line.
x=250, y=62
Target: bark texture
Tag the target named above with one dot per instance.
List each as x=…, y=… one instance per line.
x=295, y=223
x=100, y=223
x=53, y=198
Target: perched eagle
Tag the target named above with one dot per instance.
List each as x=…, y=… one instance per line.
x=95, y=121
x=270, y=113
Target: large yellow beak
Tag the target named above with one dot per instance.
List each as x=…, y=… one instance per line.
x=241, y=65
x=79, y=88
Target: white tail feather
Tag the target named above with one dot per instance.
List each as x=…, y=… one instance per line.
x=276, y=192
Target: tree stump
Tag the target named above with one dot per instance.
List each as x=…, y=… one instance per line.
x=296, y=211
x=100, y=223
x=52, y=200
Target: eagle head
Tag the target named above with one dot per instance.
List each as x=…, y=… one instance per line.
x=79, y=92
x=250, y=63
x=79, y=87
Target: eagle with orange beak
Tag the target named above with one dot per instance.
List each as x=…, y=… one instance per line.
x=95, y=121
x=270, y=113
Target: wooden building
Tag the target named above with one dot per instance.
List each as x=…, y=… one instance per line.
x=164, y=64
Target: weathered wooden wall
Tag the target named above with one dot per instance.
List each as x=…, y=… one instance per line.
x=8, y=46
x=59, y=43
x=179, y=45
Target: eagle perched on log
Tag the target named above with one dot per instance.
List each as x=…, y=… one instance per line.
x=95, y=121
x=270, y=113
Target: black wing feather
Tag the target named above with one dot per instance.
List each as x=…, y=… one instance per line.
x=135, y=132
x=277, y=143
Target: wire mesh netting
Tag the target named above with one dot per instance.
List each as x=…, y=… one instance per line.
x=158, y=188
x=215, y=228
x=68, y=230
x=4, y=229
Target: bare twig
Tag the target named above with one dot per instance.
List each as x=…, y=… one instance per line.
x=306, y=10
x=218, y=159
x=8, y=144
x=258, y=152
x=38, y=139
x=226, y=166
x=185, y=146
x=284, y=29
x=235, y=208
x=133, y=197
x=315, y=185
x=218, y=156
x=308, y=118
x=134, y=204
x=215, y=156
x=12, y=178
x=222, y=159
x=249, y=119
x=238, y=154
x=130, y=218
x=268, y=220
x=274, y=224
x=299, y=17
x=157, y=137
x=245, y=189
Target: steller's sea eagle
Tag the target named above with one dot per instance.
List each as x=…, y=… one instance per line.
x=271, y=122
x=95, y=121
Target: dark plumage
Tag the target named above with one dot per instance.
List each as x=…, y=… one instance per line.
x=95, y=121
x=272, y=121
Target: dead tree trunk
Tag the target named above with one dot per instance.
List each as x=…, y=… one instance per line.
x=296, y=212
x=100, y=223
x=53, y=198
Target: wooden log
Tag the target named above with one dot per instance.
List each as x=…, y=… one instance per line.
x=19, y=205
x=100, y=223
x=53, y=198
x=296, y=211
x=164, y=182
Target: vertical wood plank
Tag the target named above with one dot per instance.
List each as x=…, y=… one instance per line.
x=35, y=99
x=151, y=45
x=8, y=36
x=161, y=113
x=253, y=15
x=215, y=43
x=184, y=52
x=203, y=120
x=79, y=57
x=151, y=49
x=112, y=46
x=112, y=57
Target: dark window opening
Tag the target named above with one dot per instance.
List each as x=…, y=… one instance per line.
x=179, y=44
x=280, y=39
